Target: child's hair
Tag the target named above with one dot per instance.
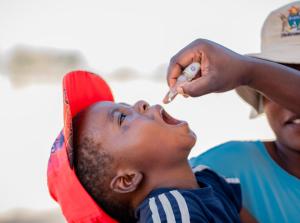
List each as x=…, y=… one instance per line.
x=93, y=167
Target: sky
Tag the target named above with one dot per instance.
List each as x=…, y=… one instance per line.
x=141, y=35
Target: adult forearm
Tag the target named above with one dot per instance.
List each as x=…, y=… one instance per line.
x=277, y=82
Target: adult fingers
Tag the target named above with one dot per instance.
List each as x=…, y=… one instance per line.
x=198, y=87
x=174, y=71
x=180, y=61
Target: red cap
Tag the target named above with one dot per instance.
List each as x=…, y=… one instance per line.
x=81, y=89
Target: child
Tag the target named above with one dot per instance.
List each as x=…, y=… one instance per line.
x=132, y=162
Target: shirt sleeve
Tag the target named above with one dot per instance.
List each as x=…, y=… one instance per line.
x=171, y=206
x=232, y=188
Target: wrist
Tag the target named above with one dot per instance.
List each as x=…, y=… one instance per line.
x=248, y=71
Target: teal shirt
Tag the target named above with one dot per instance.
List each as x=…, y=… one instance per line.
x=269, y=193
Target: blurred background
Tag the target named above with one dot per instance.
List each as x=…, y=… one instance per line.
x=129, y=43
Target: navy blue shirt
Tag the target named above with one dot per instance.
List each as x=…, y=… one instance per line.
x=216, y=200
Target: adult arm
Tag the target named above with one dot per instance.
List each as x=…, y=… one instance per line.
x=223, y=70
x=279, y=83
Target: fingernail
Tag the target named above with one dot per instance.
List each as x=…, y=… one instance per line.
x=180, y=90
x=165, y=101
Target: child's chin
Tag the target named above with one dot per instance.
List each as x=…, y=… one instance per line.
x=191, y=144
x=193, y=138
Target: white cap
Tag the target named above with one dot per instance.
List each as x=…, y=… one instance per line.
x=280, y=43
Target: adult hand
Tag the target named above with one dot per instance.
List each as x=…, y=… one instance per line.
x=221, y=69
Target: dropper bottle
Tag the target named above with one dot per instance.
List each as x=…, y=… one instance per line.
x=187, y=75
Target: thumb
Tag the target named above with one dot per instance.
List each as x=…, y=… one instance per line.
x=197, y=87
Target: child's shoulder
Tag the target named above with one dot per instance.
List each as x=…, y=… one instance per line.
x=207, y=176
x=227, y=188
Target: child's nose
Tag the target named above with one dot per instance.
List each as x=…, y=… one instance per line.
x=141, y=106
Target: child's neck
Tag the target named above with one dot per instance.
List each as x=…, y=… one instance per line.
x=180, y=177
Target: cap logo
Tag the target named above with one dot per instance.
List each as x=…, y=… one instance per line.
x=291, y=23
x=58, y=144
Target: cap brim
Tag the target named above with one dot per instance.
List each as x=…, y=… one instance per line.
x=81, y=89
x=279, y=55
x=253, y=98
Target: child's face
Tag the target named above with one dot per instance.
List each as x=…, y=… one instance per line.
x=142, y=137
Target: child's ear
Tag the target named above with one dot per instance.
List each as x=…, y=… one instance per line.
x=126, y=181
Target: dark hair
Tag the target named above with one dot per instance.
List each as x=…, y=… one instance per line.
x=94, y=169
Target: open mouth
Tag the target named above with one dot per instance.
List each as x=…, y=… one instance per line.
x=296, y=121
x=168, y=118
x=293, y=120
